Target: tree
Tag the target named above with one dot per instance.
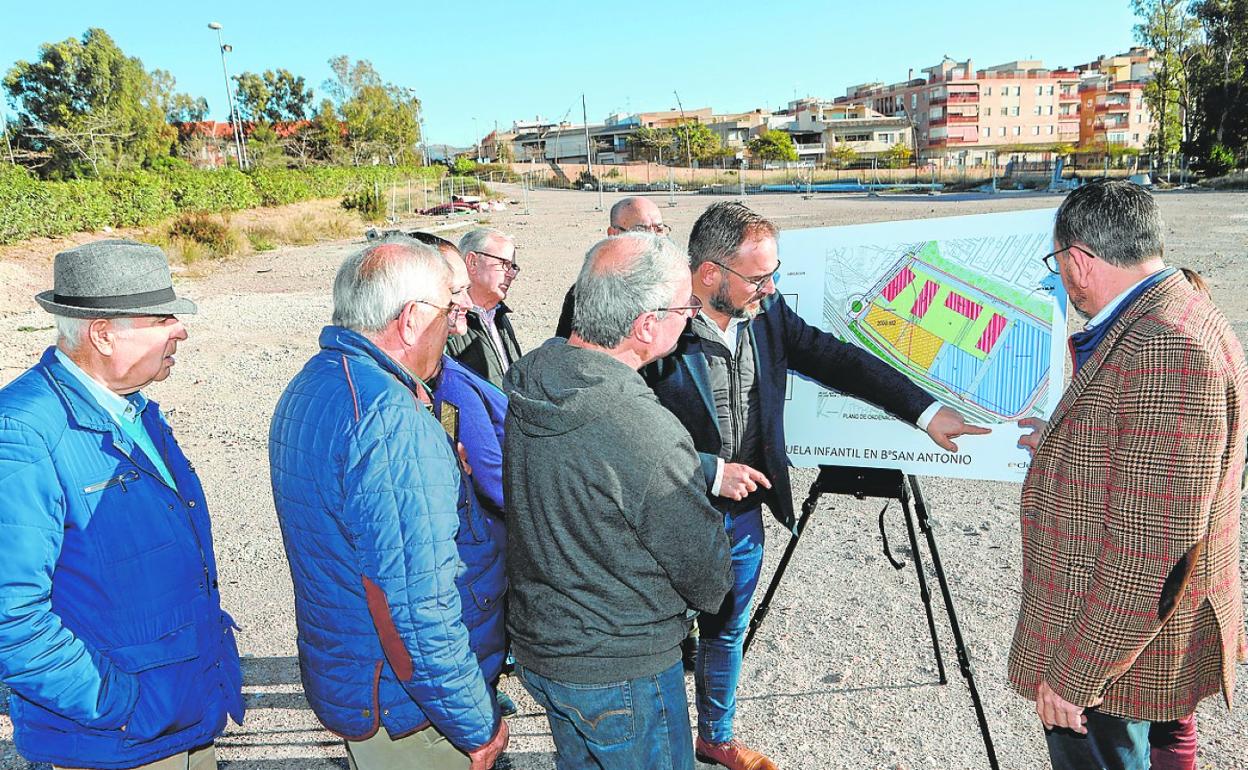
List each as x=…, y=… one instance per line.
x=184, y=108
x=1168, y=27
x=652, y=143
x=178, y=107
x=1220, y=81
x=381, y=120
x=276, y=96
x=88, y=107
x=773, y=145
x=695, y=139
x=843, y=154
x=897, y=156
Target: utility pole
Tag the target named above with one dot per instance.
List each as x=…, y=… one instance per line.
x=236, y=123
x=688, y=138
x=4, y=129
x=424, y=145
x=589, y=151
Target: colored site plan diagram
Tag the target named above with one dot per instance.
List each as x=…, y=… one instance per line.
x=964, y=307
x=941, y=315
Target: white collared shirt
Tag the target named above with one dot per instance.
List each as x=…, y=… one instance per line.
x=487, y=320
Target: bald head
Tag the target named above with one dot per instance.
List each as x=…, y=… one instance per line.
x=636, y=212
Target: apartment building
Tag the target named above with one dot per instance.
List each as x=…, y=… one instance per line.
x=963, y=116
x=735, y=130
x=818, y=126
x=1112, y=111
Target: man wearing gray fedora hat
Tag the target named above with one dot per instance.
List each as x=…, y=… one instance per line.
x=112, y=636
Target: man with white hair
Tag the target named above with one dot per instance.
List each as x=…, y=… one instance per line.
x=611, y=539
x=112, y=635
x=398, y=573
x=489, y=346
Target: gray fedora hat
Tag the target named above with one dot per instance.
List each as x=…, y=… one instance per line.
x=112, y=279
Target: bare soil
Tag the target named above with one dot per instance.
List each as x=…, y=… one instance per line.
x=842, y=674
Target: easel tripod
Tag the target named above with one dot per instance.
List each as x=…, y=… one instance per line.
x=887, y=484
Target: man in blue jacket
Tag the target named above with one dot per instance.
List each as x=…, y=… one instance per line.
x=726, y=384
x=398, y=573
x=112, y=636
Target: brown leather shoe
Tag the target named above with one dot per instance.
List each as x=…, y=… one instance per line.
x=733, y=755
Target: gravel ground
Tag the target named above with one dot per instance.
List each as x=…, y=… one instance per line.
x=842, y=674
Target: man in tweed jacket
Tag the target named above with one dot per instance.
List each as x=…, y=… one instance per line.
x=1132, y=608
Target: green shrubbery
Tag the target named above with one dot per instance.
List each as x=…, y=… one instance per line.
x=31, y=208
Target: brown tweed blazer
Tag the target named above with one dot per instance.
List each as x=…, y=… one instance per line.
x=1130, y=518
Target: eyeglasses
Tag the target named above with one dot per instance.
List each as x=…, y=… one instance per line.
x=1050, y=259
x=429, y=239
x=659, y=229
x=689, y=310
x=758, y=281
x=510, y=266
x=442, y=309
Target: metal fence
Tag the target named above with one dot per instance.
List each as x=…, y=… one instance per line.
x=408, y=197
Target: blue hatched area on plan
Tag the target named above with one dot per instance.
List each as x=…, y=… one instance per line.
x=1013, y=377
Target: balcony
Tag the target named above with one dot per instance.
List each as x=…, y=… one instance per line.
x=1073, y=96
x=1118, y=106
x=810, y=149
x=943, y=141
x=964, y=98
x=936, y=100
x=955, y=118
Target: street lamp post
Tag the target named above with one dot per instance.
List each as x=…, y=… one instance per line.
x=236, y=124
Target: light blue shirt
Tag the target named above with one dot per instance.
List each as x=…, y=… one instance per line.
x=126, y=411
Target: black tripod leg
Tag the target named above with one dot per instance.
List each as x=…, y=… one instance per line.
x=964, y=660
x=760, y=613
x=924, y=594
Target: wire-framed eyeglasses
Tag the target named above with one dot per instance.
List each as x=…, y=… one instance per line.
x=689, y=310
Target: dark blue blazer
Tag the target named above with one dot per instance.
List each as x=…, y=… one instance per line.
x=782, y=342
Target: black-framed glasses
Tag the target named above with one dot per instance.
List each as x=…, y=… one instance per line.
x=429, y=239
x=757, y=281
x=510, y=266
x=659, y=229
x=1050, y=259
x=689, y=310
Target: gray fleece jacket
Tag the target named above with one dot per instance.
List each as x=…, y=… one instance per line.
x=610, y=536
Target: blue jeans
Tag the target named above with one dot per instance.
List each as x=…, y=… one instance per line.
x=630, y=725
x=1112, y=743
x=721, y=635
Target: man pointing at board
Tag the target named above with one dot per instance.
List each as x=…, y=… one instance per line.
x=725, y=382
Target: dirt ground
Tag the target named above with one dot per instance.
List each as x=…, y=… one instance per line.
x=842, y=674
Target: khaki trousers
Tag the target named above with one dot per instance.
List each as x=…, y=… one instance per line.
x=203, y=758
x=426, y=749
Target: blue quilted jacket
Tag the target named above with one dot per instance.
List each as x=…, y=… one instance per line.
x=482, y=409
x=398, y=574
x=112, y=636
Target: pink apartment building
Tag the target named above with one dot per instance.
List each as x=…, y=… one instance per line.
x=964, y=116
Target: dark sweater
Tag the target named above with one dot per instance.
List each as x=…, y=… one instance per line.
x=610, y=536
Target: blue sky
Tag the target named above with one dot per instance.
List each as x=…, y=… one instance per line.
x=501, y=61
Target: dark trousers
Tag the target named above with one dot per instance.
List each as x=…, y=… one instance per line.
x=1112, y=743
